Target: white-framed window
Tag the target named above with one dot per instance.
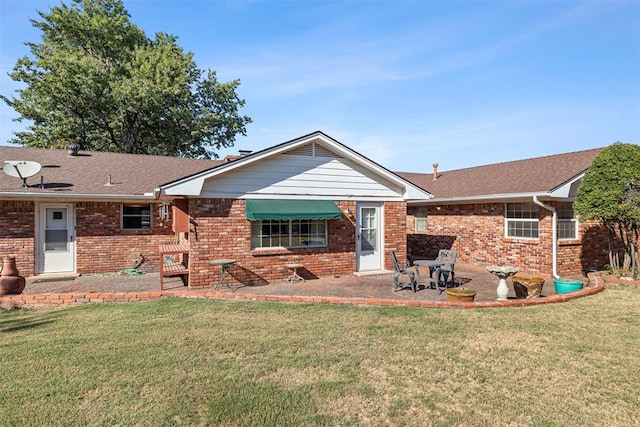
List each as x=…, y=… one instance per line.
x=421, y=221
x=297, y=233
x=522, y=220
x=136, y=216
x=567, y=222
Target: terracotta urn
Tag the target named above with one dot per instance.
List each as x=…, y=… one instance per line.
x=460, y=294
x=10, y=281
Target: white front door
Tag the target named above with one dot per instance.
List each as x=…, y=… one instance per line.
x=56, y=238
x=368, y=237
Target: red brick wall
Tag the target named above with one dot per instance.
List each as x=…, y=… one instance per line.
x=476, y=232
x=17, y=234
x=102, y=246
x=593, y=253
x=395, y=238
x=220, y=230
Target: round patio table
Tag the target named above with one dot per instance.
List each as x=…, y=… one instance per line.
x=295, y=276
x=223, y=263
x=433, y=265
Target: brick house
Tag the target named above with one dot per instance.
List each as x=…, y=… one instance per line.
x=505, y=214
x=311, y=201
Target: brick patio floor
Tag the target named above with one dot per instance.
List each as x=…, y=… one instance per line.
x=379, y=286
x=373, y=290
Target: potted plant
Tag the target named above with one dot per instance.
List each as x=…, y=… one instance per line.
x=460, y=294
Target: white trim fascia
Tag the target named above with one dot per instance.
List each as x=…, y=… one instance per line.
x=334, y=197
x=482, y=198
x=489, y=198
x=74, y=197
x=192, y=186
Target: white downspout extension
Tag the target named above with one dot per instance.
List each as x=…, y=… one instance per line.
x=554, y=235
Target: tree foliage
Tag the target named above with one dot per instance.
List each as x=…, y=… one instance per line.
x=96, y=79
x=610, y=193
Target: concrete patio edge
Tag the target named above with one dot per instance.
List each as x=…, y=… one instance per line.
x=44, y=300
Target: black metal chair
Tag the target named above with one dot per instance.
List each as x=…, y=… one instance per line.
x=399, y=271
x=448, y=258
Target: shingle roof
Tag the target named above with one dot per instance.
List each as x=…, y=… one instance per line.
x=132, y=174
x=87, y=173
x=540, y=174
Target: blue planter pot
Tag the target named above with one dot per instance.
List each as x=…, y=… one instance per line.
x=564, y=285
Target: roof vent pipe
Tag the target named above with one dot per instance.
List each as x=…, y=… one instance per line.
x=72, y=149
x=435, y=171
x=554, y=235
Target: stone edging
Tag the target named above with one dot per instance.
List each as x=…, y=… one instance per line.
x=610, y=279
x=65, y=299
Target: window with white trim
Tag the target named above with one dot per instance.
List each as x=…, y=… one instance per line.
x=421, y=221
x=567, y=222
x=522, y=220
x=136, y=216
x=297, y=233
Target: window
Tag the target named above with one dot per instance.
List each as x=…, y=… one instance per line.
x=522, y=220
x=421, y=221
x=136, y=217
x=288, y=233
x=567, y=222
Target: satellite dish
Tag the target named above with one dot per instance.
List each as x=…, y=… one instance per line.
x=21, y=169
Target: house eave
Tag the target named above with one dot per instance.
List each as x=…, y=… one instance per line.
x=82, y=197
x=483, y=198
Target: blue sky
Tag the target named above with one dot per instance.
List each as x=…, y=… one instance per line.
x=405, y=83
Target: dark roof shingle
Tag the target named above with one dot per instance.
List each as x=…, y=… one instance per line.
x=133, y=174
x=88, y=172
x=540, y=174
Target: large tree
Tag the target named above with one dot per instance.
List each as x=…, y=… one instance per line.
x=97, y=80
x=610, y=193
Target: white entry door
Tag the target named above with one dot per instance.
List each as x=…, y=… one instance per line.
x=368, y=237
x=56, y=238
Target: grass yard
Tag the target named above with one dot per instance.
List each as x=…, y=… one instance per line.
x=202, y=362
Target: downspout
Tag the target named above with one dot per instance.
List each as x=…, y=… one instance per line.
x=554, y=235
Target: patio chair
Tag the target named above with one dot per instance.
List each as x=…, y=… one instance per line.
x=400, y=271
x=439, y=270
x=448, y=258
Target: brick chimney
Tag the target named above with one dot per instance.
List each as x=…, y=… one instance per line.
x=435, y=171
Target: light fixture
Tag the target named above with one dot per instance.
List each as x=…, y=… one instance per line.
x=163, y=211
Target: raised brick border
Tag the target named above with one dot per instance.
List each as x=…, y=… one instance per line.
x=65, y=299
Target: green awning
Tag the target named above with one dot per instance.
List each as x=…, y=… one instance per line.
x=262, y=209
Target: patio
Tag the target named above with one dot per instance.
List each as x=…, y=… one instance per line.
x=374, y=290
x=379, y=286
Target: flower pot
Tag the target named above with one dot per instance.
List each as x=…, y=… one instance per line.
x=460, y=294
x=10, y=281
x=526, y=286
x=564, y=285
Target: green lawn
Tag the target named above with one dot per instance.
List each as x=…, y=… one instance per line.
x=186, y=362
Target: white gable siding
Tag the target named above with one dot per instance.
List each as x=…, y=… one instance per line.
x=567, y=190
x=301, y=174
